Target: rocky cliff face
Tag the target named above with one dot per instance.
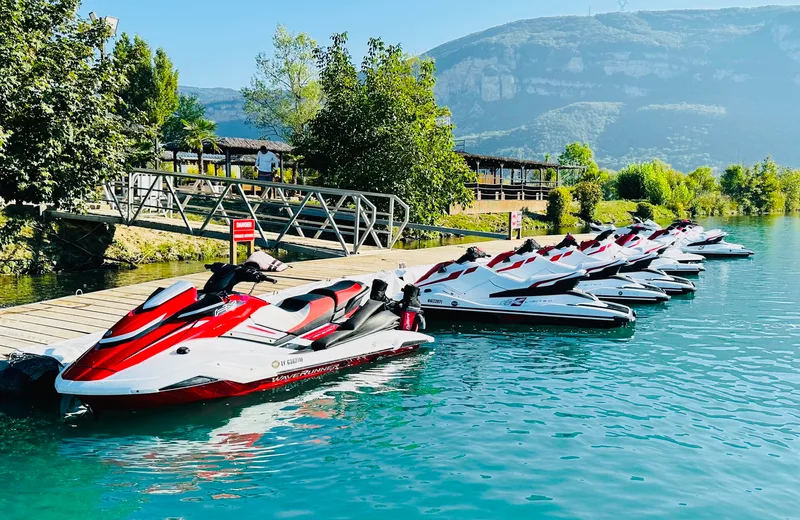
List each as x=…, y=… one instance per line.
x=691, y=87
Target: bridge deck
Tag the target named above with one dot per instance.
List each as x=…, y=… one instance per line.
x=51, y=321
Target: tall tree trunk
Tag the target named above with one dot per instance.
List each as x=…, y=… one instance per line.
x=200, y=169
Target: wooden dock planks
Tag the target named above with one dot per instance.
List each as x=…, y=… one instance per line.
x=69, y=317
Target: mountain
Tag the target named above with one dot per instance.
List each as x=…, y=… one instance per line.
x=696, y=87
x=225, y=106
x=691, y=87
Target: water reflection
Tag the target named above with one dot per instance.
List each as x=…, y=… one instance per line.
x=231, y=441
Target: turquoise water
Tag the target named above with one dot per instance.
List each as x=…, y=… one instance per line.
x=694, y=413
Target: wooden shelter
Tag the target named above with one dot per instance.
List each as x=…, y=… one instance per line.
x=236, y=150
x=499, y=166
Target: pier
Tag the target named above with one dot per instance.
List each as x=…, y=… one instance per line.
x=51, y=321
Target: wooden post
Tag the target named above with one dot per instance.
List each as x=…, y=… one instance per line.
x=502, y=193
x=228, y=171
x=280, y=164
x=175, y=162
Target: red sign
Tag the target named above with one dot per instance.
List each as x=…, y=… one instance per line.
x=516, y=220
x=243, y=230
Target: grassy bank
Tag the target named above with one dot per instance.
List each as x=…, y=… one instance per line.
x=610, y=211
x=31, y=246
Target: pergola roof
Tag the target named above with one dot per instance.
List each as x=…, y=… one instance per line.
x=491, y=161
x=237, y=146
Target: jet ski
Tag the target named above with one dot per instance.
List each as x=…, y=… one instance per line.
x=183, y=345
x=604, y=247
x=670, y=260
x=469, y=289
x=603, y=277
x=696, y=240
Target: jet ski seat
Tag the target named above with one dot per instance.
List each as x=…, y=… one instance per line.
x=343, y=293
x=304, y=313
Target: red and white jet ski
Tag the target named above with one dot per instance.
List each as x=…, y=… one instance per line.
x=184, y=345
x=670, y=260
x=712, y=243
x=469, y=289
x=604, y=247
x=603, y=277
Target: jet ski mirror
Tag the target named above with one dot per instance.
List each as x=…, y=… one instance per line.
x=473, y=254
x=604, y=235
x=569, y=241
x=529, y=246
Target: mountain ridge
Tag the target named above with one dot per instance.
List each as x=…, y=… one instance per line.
x=692, y=87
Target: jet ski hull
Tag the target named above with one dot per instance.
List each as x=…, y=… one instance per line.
x=581, y=310
x=622, y=290
x=719, y=251
x=672, y=285
x=97, y=400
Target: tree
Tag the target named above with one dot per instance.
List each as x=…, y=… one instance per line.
x=199, y=134
x=790, y=185
x=589, y=195
x=285, y=94
x=189, y=110
x=579, y=154
x=58, y=136
x=631, y=181
x=558, y=203
x=702, y=180
x=381, y=130
x=150, y=94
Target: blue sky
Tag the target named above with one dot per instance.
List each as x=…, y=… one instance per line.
x=214, y=43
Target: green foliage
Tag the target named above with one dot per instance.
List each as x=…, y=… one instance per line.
x=579, y=154
x=199, y=135
x=190, y=110
x=657, y=188
x=702, y=180
x=57, y=139
x=558, y=205
x=150, y=94
x=608, y=183
x=631, y=182
x=380, y=130
x=755, y=189
x=589, y=194
x=645, y=210
x=285, y=94
x=790, y=185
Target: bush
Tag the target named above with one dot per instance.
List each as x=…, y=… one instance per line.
x=631, y=182
x=589, y=195
x=645, y=210
x=558, y=203
x=657, y=189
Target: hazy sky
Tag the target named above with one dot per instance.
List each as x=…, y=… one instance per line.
x=214, y=43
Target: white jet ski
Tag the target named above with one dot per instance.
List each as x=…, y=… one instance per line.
x=467, y=289
x=603, y=277
x=604, y=247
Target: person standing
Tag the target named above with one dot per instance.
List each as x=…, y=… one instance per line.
x=264, y=167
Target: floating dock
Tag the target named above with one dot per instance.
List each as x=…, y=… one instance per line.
x=52, y=321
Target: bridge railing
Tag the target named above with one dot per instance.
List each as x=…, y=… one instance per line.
x=349, y=218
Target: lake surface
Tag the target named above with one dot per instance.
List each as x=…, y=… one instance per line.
x=694, y=413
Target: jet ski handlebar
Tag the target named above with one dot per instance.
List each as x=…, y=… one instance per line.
x=473, y=253
x=226, y=276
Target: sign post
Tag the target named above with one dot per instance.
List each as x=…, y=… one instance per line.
x=242, y=230
x=514, y=224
